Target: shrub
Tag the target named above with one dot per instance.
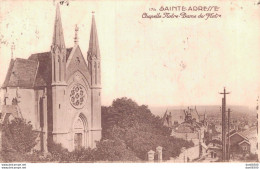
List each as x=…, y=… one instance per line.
x=19, y=136
x=113, y=150
x=18, y=140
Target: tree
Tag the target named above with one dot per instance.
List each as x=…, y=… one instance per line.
x=19, y=136
x=125, y=113
x=18, y=139
x=139, y=129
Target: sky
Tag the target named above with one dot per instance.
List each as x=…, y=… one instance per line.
x=157, y=62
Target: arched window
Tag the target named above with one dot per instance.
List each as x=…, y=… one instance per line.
x=99, y=73
x=59, y=60
x=79, y=124
x=95, y=67
x=54, y=70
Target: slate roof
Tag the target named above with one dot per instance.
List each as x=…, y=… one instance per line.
x=8, y=74
x=250, y=133
x=32, y=72
x=175, y=115
x=185, y=128
x=21, y=73
x=244, y=141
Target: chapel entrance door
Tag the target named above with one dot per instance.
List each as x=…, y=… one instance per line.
x=78, y=141
x=80, y=132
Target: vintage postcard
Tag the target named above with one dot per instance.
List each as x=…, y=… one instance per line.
x=129, y=81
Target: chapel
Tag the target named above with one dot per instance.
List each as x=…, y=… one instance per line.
x=58, y=91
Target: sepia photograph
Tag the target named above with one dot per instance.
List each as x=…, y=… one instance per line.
x=129, y=81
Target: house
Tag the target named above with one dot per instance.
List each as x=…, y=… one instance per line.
x=214, y=150
x=175, y=117
x=251, y=135
x=186, y=124
x=239, y=144
x=190, y=131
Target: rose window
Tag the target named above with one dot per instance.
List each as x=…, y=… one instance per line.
x=78, y=96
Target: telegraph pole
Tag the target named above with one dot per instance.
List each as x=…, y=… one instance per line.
x=224, y=125
x=228, y=150
x=257, y=145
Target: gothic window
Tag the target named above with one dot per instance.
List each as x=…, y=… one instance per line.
x=14, y=101
x=78, y=96
x=59, y=60
x=77, y=60
x=95, y=72
x=79, y=124
x=99, y=76
x=54, y=70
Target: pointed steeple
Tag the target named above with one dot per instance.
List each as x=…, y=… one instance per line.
x=58, y=51
x=94, y=56
x=93, y=50
x=58, y=38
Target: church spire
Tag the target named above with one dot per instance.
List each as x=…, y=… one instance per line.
x=58, y=38
x=94, y=56
x=93, y=50
x=58, y=51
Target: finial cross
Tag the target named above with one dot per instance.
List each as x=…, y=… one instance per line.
x=12, y=50
x=76, y=39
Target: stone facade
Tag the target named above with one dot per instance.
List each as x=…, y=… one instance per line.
x=59, y=91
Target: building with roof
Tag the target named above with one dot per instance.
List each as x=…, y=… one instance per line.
x=239, y=144
x=59, y=91
x=186, y=124
x=190, y=131
x=251, y=135
x=175, y=117
x=214, y=149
